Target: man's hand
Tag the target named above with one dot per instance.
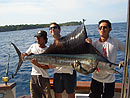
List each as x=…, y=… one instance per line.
x=88, y=40
x=23, y=55
x=121, y=64
x=51, y=66
x=34, y=61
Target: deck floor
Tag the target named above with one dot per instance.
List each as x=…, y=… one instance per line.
x=82, y=90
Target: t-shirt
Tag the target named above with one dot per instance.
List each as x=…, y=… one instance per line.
x=35, y=49
x=109, y=50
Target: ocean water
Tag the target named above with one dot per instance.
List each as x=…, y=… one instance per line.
x=24, y=38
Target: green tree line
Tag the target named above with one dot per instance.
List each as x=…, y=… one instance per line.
x=33, y=26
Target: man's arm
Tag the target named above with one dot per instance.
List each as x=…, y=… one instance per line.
x=34, y=61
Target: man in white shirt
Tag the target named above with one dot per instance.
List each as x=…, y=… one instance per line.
x=103, y=84
x=39, y=82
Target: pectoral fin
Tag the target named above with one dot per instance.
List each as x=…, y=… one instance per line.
x=78, y=67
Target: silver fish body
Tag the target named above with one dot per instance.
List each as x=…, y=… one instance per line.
x=83, y=63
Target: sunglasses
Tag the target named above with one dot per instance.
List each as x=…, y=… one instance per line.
x=103, y=27
x=55, y=27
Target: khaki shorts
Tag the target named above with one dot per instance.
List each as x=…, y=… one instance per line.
x=39, y=87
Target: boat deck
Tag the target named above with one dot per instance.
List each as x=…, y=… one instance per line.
x=85, y=85
x=82, y=89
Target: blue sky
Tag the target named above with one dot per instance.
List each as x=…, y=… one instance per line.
x=15, y=12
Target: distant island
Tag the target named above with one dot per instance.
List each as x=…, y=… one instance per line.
x=33, y=26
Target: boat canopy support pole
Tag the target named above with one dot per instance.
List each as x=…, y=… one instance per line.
x=124, y=92
x=128, y=26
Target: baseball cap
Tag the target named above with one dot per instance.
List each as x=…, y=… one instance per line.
x=41, y=33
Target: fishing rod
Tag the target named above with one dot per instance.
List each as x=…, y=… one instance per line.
x=6, y=79
x=124, y=82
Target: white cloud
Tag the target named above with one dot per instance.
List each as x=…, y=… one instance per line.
x=24, y=6
x=106, y=2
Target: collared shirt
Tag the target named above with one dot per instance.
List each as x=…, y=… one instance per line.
x=109, y=50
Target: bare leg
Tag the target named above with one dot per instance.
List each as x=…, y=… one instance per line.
x=58, y=95
x=72, y=95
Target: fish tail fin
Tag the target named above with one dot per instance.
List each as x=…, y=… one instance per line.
x=20, y=59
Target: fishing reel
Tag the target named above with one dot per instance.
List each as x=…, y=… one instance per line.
x=5, y=79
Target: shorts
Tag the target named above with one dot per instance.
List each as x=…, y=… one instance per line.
x=39, y=87
x=65, y=81
x=98, y=88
